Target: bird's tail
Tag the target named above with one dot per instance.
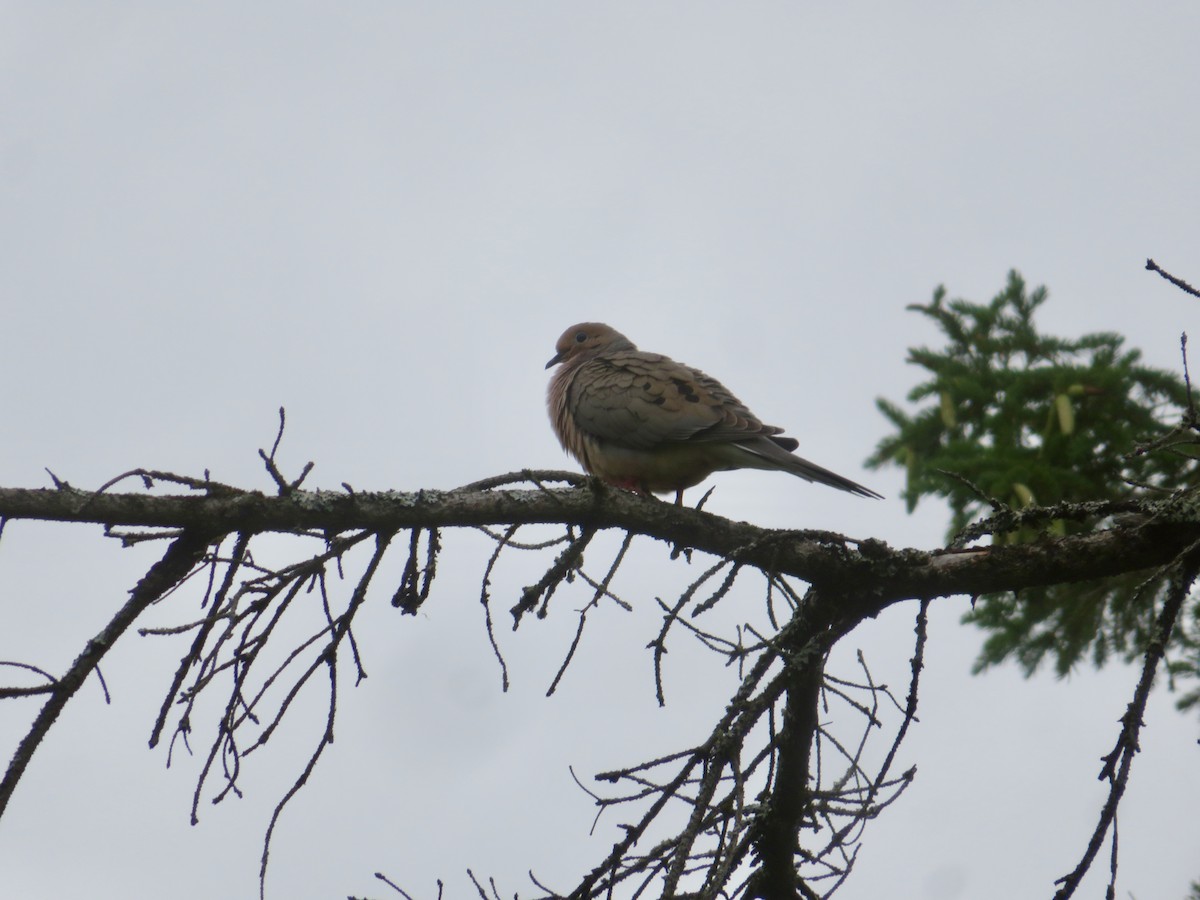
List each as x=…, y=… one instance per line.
x=773, y=453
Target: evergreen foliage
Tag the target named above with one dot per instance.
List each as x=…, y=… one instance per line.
x=1029, y=419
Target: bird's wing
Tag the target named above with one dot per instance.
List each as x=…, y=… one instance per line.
x=643, y=400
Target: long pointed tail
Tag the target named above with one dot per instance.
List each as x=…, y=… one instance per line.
x=773, y=452
x=812, y=472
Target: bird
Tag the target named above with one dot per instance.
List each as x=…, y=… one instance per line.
x=644, y=422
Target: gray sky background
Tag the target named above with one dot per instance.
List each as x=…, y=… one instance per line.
x=382, y=216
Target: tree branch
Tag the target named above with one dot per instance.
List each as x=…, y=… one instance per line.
x=748, y=798
x=182, y=555
x=1117, y=763
x=790, y=801
x=876, y=574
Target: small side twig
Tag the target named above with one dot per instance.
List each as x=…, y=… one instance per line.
x=182, y=555
x=1117, y=763
x=285, y=487
x=1152, y=266
x=601, y=591
x=564, y=564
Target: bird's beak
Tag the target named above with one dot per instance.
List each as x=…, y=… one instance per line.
x=556, y=359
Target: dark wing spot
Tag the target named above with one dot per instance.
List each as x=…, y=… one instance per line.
x=686, y=389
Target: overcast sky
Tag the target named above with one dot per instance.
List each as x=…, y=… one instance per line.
x=382, y=215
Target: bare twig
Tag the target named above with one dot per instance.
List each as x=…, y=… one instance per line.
x=1178, y=282
x=328, y=658
x=566, y=562
x=1117, y=763
x=601, y=591
x=183, y=554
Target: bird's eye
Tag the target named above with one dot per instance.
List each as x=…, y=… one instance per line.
x=580, y=337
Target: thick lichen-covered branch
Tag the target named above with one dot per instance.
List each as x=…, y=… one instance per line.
x=772, y=769
x=877, y=573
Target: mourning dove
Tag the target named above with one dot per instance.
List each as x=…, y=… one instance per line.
x=644, y=422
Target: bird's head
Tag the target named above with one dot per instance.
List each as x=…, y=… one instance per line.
x=588, y=339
